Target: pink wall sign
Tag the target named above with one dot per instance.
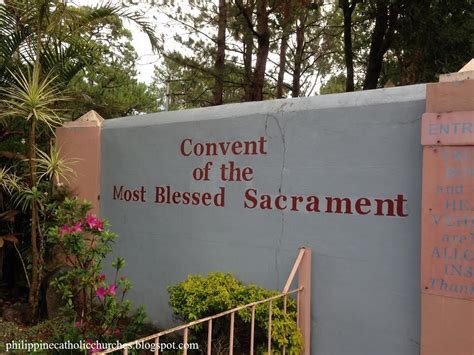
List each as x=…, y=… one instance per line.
x=448, y=221
x=449, y=128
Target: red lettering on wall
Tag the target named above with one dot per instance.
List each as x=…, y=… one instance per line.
x=237, y=147
x=124, y=194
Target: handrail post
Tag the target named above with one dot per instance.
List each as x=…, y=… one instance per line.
x=304, y=282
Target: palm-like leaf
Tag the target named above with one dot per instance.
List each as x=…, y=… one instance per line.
x=27, y=196
x=96, y=15
x=52, y=166
x=8, y=181
x=32, y=97
x=11, y=39
x=139, y=19
x=67, y=60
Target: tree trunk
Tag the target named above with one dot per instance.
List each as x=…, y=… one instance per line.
x=33, y=296
x=385, y=21
x=255, y=82
x=283, y=47
x=37, y=244
x=300, y=29
x=348, y=10
x=263, y=40
x=220, y=56
x=247, y=40
x=248, y=54
x=410, y=67
x=260, y=66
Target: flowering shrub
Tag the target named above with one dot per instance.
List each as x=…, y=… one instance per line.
x=96, y=309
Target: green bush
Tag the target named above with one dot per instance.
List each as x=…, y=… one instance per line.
x=198, y=297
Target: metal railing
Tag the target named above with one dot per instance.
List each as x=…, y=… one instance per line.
x=302, y=265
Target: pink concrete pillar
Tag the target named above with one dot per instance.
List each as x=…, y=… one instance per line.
x=304, y=281
x=79, y=141
x=447, y=238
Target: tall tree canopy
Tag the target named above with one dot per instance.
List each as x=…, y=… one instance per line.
x=247, y=50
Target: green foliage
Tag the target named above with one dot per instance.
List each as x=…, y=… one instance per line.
x=9, y=182
x=96, y=309
x=335, y=84
x=45, y=331
x=189, y=82
x=56, y=34
x=84, y=49
x=427, y=38
x=199, y=296
x=112, y=91
x=52, y=166
x=110, y=86
x=31, y=97
x=433, y=37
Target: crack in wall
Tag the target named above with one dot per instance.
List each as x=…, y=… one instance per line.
x=280, y=186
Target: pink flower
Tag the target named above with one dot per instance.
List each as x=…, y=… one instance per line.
x=77, y=324
x=101, y=277
x=68, y=230
x=95, y=223
x=112, y=289
x=76, y=228
x=117, y=332
x=101, y=293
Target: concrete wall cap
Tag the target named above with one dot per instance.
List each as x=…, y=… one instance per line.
x=465, y=73
x=90, y=119
x=272, y=107
x=468, y=67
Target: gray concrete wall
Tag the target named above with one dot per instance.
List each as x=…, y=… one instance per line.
x=359, y=145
